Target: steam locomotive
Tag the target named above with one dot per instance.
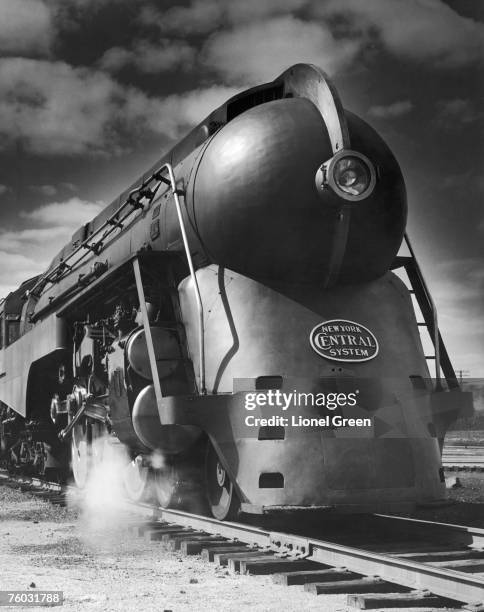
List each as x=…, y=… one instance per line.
x=237, y=321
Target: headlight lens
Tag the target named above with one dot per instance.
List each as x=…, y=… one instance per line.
x=352, y=175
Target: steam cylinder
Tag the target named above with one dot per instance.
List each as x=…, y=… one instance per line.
x=169, y=439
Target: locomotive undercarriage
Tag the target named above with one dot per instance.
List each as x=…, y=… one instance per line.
x=30, y=446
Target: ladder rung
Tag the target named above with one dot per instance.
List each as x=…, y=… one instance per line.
x=422, y=324
x=430, y=357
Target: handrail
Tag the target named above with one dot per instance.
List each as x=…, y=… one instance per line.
x=110, y=225
x=434, y=311
x=196, y=288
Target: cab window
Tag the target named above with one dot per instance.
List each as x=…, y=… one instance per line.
x=13, y=328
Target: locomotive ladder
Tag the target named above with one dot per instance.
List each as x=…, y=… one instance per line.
x=429, y=312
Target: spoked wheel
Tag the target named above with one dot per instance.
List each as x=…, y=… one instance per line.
x=87, y=450
x=97, y=443
x=136, y=479
x=222, y=498
x=165, y=485
x=80, y=454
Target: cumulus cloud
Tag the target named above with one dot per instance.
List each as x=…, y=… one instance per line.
x=54, y=108
x=200, y=16
x=179, y=112
x=420, y=30
x=456, y=111
x=44, y=190
x=50, y=191
x=204, y=16
x=25, y=27
x=74, y=212
x=28, y=251
x=68, y=186
x=258, y=51
x=32, y=241
x=94, y=3
x=254, y=10
x=396, y=109
x=150, y=58
x=15, y=269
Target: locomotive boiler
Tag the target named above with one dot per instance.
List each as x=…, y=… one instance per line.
x=236, y=322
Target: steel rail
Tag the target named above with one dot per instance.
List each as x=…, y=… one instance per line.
x=440, y=581
x=476, y=533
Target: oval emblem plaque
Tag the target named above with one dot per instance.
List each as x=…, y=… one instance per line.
x=341, y=340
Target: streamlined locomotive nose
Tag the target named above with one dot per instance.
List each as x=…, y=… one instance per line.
x=258, y=210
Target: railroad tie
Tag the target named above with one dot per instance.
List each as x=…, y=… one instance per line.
x=209, y=552
x=225, y=559
x=140, y=529
x=196, y=546
x=156, y=535
x=414, y=599
x=259, y=567
x=358, y=585
x=319, y=575
x=174, y=542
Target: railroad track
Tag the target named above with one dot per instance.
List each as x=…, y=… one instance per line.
x=463, y=458
x=391, y=561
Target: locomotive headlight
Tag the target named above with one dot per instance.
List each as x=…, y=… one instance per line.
x=352, y=175
x=349, y=174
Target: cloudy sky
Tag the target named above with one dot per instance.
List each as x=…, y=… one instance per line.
x=93, y=91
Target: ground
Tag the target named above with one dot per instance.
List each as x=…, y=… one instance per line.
x=104, y=567
x=91, y=556
x=468, y=506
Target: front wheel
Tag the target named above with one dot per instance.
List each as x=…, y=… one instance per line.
x=166, y=485
x=223, y=501
x=136, y=480
x=88, y=442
